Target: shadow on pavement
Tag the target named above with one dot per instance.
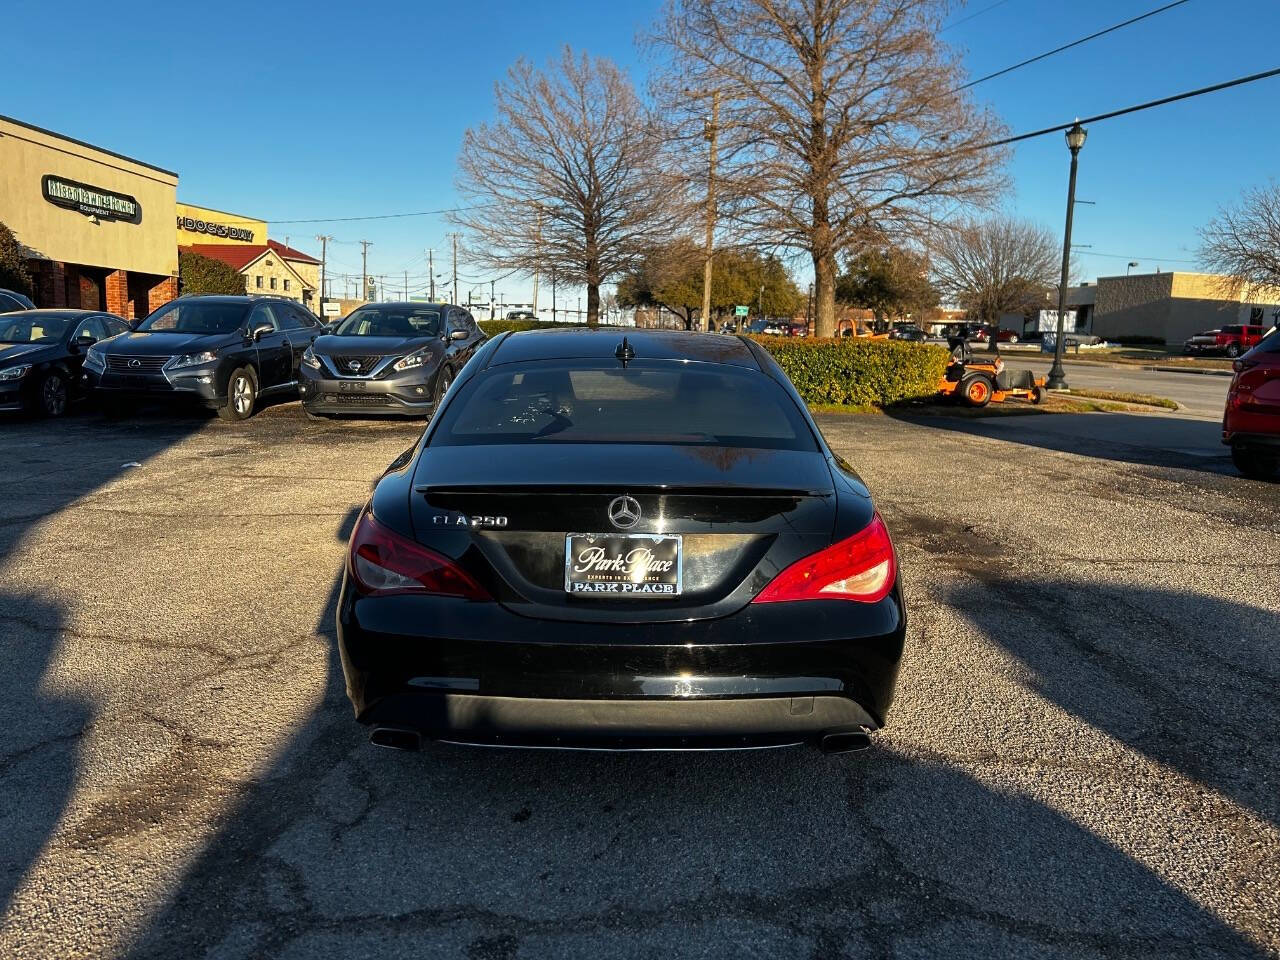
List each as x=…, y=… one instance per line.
x=48, y=465
x=344, y=850
x=1186, y=679
x=1155, y=440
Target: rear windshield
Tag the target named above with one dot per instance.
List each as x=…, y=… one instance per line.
x=196, y=316
x=688, y=404
x=384, y=321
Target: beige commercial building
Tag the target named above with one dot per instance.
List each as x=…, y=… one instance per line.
x=96, y=226
x=1169, y=306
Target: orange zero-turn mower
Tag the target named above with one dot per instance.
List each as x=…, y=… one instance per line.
x=978, y=381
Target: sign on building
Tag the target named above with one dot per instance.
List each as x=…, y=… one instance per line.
x=1047, y=321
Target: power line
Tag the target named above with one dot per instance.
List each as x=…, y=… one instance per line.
x=1135, y=256
x=379, y=216
x=976, y=13
x=1239, y=81
x=1073, y=43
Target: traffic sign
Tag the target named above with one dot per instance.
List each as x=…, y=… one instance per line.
x=741, y=311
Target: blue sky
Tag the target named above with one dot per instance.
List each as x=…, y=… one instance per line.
x=290, y=112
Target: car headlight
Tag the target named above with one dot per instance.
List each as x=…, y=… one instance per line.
x=412, y=361
x=94, y=359
x=309, y=359
x=193, y=359
x=15, y=373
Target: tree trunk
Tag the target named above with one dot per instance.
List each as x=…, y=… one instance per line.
x=824, y=295
x=593, y=304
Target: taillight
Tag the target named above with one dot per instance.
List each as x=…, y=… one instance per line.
x=861, y=567
x=383, y=563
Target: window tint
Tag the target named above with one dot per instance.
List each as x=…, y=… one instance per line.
x=8, y=303
x=290, y=319
x=647, y=402
x=28, y=327
x=196, y=316
x=90, y=327
x=391, y=321
x=263, y=313
x=1231, y=328
x=115, y=326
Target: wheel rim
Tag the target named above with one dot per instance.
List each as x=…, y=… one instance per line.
x=242, y=395
x=54, y=396
x=442, y=386
x=978, y=392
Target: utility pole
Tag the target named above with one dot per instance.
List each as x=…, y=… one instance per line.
x=406, y=284
x=710, y=131
x=455, y=296
x=553, y=294
x=364, y=269
x=324, y=248
x=538, y=236
x=431, y=272
x=492, y=302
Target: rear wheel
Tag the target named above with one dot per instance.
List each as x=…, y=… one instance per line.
x=1233, y=350
x=51, y=395
x=1013, y=339
x=1255, y=465
x=242, y=392
x=1037, y=395
x=977, y=391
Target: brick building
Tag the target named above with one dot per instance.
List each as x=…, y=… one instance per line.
x=97, y=227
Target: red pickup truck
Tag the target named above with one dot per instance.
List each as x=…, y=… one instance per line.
x=1230, y=340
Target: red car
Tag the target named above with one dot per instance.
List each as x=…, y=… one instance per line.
x=1231, y=340
x=1251, y=423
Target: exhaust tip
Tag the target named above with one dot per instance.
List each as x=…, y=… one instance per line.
x=396, y=738
x=848, y=742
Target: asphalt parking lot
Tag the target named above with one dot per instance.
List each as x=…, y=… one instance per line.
x=1082, y=761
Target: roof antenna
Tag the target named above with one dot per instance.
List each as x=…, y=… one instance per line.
x=625, y=352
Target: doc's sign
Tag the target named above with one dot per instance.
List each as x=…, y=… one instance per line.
x=196, y=225
x=89, y=200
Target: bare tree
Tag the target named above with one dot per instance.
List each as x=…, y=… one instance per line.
x=567, y=178
x=840, y=121
x=1243, y=242
x=995, y=266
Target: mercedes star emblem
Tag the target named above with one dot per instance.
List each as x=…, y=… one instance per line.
x=135, y=363
x=624, y=512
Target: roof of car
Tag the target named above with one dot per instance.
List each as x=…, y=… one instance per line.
x=57, y=312
x=602, y=344
x=409, y=304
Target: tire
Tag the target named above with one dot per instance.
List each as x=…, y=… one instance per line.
x=1255, y=465
x=1013, y=339
x=444, y=379
x=1233, y=351
x=242, y=394
x=1037, y=395
x=976, y=391
x=52, y=395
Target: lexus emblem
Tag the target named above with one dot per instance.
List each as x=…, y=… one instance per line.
x=354, y=366
x=624, y=512
x=135, y=363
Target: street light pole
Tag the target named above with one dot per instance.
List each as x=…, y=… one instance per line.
x=1057, y=376
x=1132, y=264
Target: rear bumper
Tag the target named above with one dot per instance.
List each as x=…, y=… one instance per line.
x=1267, y=442
x=769, y=675
x=654, y=724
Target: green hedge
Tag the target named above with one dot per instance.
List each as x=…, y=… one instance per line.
x=857, y=372
x=492, y=328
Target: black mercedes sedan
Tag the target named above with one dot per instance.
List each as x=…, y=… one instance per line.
x=225, y=352
x=394, y=359
x=41, y=353
x=610, y=541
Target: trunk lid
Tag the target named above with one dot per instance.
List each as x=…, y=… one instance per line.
x=742, y=514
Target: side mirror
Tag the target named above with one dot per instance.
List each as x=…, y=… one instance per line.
x=458, y=335
x=260, y=330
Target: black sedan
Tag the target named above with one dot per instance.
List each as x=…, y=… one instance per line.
x=224, y=352
x=388, y=359
x=637, y=542
x=41, y=352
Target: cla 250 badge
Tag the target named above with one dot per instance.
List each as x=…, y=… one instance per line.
x=462, y=520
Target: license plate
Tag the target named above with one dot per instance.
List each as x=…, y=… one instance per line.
x=622, y=565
